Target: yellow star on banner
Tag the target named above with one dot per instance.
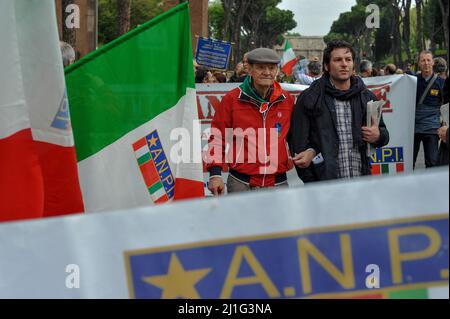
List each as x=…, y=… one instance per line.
x=178, y=283
x=153, y=141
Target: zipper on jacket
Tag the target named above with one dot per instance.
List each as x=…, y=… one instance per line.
x=265, y=142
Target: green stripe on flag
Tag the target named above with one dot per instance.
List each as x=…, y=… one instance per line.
x=409, y=294
x=130, y=81
x=385, y=168
x=155, y=187
x=144, y=158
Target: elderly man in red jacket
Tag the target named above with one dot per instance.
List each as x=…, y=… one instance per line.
x=248, y=132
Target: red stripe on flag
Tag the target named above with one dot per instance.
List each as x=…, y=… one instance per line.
x=287, y=68
x=400, y=167
x=149, y=173
x=21, y=182
x=62, y=193
x=187, y=188
x=37, y=179
x=162, y=199
x=139, y=144
x=376, y=169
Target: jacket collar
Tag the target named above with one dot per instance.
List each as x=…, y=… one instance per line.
x=248, y=94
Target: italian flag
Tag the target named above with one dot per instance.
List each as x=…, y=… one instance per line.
x=126, y=100
x=289, y=59
x=437, y=291
x=38, y=168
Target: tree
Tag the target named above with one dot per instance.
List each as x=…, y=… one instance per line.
x=240, y=8
x=275, y=23
x=249, y=23
x=69, y=34
x=216, y=15
x=141, y=11
x=254, y=18
x=395, y=33
x=419, y=35
x=432, y=24
x=443, y=4
x=351, y=25
x=124, y=12
x=406, y=6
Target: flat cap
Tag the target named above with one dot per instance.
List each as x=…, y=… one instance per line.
x=263, y=55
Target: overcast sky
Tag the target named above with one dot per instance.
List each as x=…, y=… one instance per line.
x=315, y=17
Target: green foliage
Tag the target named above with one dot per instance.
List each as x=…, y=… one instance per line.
x=432, y=21
x=350, y=26
x=350, y=23
x=216, y=19
x=261, y=24
x=141, y=11
x=275, y=23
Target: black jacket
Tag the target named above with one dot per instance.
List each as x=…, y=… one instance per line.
x=318, y=131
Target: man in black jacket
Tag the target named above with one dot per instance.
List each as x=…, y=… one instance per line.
x=329, y=121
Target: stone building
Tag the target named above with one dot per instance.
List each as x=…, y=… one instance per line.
x=304, y=46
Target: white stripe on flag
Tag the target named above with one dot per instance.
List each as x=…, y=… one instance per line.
x=288, y=56
x=158, y=194
x=142, y=151
x=438, y=292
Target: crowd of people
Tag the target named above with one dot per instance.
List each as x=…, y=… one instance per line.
x=324, y=133
x=308, y=70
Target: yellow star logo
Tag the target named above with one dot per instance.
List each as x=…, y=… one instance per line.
x=153, y=141
x=178, y=283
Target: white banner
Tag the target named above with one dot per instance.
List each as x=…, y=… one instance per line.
x=372, y=237
x=399, y=92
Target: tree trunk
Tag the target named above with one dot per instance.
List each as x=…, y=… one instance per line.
x=406, y=28
x=124, y=14
x=240, y=12
x=443, y=4
x=395, y=32
x=433, y=32
x=419, y=33
x=68, y=34
x=227, y=5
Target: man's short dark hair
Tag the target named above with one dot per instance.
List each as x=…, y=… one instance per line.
x=424, y=52
x=336, y=44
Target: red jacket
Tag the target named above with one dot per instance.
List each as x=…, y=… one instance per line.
x=252, y=139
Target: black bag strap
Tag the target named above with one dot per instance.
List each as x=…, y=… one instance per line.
x=425, y=93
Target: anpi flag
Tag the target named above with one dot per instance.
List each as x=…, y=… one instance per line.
x=289, y=59
x=38, y=172
x=125, y=100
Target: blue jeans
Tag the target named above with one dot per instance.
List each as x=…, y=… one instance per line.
x=430, y=148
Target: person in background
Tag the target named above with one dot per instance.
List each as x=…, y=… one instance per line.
x=443, y=153
x=429, y=99
x=399, y=71
x=220, y=77
x=390, y=69
x=239, y=74
x=365, y=69
x=200, y=74
x=440, y=67
x=374, y=72
x=67, y=52
x=314, y=73
x=409, y=69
